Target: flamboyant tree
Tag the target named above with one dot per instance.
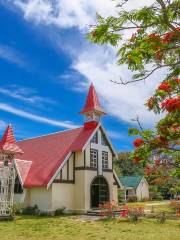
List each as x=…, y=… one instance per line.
x=154, y=44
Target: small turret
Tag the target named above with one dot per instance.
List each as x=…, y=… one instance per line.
x=92, y=109
x=8, y=142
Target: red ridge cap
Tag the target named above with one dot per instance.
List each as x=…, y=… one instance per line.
x=92, y=102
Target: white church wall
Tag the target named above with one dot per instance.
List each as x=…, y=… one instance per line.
x=63, y=196
x=142, y=191
x=42, y=197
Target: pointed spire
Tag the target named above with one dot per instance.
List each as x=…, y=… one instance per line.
x=8, y=141
x=8, y=136
x=92, y=102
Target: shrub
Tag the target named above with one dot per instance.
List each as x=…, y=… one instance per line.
x=156, y=196
x=30, y=210
x=121, y=196
x=59, y=211
x=135, y=212
x=112, y=209
x=17, y=209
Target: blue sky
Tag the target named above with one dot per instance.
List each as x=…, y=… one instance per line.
x=47, y=66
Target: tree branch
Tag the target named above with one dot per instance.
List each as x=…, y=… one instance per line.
x=166, y=18
x=141, y=79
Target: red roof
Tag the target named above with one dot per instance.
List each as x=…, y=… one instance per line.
x=8, y=141
x=92, y=102
x=48, y=152
x=23, y=167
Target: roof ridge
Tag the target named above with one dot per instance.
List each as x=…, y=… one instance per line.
x=44, y=135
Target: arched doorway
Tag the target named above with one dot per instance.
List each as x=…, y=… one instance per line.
x=99, y=191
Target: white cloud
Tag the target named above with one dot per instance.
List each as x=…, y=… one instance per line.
x=123, y=101
x=11, y=55
x=71, y=13
x=95, y=64
x=8, y=108
x=65, y=13
x=24, y=94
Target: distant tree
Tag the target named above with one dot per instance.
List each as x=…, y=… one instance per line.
x=153, y=45
x=124, y=165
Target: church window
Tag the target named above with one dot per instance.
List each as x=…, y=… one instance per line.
x=105, y=160
x=93, y=158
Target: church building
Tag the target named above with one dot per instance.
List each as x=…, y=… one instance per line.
x=71, y=168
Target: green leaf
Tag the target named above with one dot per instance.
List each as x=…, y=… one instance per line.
x=133, y=131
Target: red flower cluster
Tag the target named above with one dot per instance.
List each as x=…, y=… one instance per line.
x=177, y=80
x=157, y=161
x=152, y=170
x=158, y=55
x=164, y=86
x=153, y=35
x=148, y=170
x=175, y=129
x=138, y=142
x=167, y=38
x=150, y=102
x=171, y=104
x=136, y=159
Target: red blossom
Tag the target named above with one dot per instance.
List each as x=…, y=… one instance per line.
x=164, y=86
x=148, y=170
x=153, y=35
x=158, y=56
x=150, y=102
x=177, y=80
x=124, y=213
x=156, y=47
x=138, y=142
x=136, y=159
x=171, y=104
x=157, y=161
x=167, y=38
x=175, y=129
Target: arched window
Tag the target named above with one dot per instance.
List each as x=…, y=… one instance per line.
x=99, y=191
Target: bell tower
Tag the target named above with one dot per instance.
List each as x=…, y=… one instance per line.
x=8, y=151
x=92, y=110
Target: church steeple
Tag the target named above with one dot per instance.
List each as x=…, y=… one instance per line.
x=92, y=109
x=8, y=142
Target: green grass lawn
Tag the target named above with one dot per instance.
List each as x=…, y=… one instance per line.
x=158, y=206
x=66, y=228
